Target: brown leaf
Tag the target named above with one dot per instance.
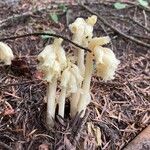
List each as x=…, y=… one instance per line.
x=141, y=141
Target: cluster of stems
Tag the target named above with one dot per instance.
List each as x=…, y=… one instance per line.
x=74, y=75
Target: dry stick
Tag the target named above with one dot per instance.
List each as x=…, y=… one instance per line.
x=139, y=24
x=131, y=19
x=115, y=29
x=138, y=140
x=141, y=37
x=49, y=34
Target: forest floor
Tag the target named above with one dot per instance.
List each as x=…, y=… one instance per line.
x=119, y=110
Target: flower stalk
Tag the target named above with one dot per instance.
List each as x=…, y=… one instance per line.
x=61, y=102
x=82, y=33
x=51, y=104
x=52, y=62
x=74, y=103
x=85, y=96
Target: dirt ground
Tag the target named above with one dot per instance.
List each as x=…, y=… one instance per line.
x=120, y=109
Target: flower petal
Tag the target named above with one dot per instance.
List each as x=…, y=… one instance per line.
x=76, y=72
x=61, y=56
x=83, y=30
x=65, y=78
x=77, y=28
x=47, y=58
x=98, y=41
x=91, y=20
x=98, y=53
x=6, y=54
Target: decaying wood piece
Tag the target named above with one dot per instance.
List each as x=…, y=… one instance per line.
x=141, y=142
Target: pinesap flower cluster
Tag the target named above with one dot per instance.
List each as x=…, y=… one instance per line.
x=73, y=77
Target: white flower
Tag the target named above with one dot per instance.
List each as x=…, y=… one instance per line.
x=52, y=60
x=91, y=20
x=77, y=28
x=98, y=55
x=47, y=58
x=72, y=85
x=106, y=63
x=83, y=30
x=98, y=41
x=75, y=71
x=65, y=78
x=71, y=79
x=51, y=73
x=6, y=54
x=60, y=52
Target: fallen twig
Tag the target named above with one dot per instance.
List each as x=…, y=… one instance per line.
x=120, y=17
x=141, y=36
x=49, y=34
x=115, y=29
x=139, y=24
x=141, y=141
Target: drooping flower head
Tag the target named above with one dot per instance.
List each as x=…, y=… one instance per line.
x=106, y=61
x=52, y=60
x=6, y=54
x=83, y=30
x=108, y=65
x=71, y=78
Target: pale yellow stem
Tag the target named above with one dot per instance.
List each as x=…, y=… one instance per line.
x=86, y=84
x=74, y=103
x=51, y=104
x=80, y=61
x=75, y=96
x=62, y=102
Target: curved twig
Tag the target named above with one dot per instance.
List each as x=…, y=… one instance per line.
x=42, y=33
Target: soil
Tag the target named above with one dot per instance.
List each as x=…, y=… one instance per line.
x=119, y=110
